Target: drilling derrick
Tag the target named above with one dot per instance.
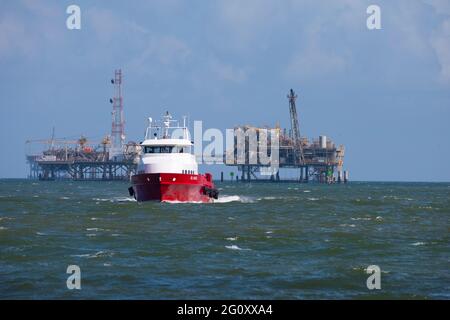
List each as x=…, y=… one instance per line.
x=295, y=129
x=118, y=122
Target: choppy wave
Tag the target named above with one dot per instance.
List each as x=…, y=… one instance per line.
x=245, y=228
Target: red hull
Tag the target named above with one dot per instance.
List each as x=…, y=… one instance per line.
x=172, y=187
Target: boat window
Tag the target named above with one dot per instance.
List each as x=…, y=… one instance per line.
x=179, y=149
x=166, y=149
x=163, y=149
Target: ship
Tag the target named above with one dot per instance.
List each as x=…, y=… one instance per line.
x=167, y=169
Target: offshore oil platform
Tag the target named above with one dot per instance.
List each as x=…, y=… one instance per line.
x=319, y=160
x=83, y=159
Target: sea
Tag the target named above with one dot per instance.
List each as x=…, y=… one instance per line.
x=257, y=241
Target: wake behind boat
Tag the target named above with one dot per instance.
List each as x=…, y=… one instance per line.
x=167, y=170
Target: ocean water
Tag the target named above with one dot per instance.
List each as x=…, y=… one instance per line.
x=258, y=241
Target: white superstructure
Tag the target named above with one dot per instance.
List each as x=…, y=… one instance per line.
x=167, y=148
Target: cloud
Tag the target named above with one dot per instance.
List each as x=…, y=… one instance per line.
x=13, y=37
x=244, y=25
x=103, y=23
x=441, y=46
x=314, y=38
x=313, y=63
x=160, y=51
x=28, y=28
x=440, y=6
x=440, y=40
x=228, y=72
x=315, y=50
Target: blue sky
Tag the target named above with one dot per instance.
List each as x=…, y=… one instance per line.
x=385, y=93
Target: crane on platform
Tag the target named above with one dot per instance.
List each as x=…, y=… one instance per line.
x=295, y=128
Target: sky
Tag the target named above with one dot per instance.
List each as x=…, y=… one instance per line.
x=384, y=94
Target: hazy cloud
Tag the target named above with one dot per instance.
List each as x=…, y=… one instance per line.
x=228, y=72
x=440, y=40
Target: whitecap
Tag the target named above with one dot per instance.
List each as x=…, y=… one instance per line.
x=306, y=191
x=99, y=254
x=347, y=225
x=101, y=199
x=418, y=243
x=231, y=238
x=177, y=201
x=226, y=199
x=123, y=199
x=64, y=198
x=235, y=247
x=365, y=270
x=222, y=199
x=313, y=199
x=378, y=218
x=270, y=198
